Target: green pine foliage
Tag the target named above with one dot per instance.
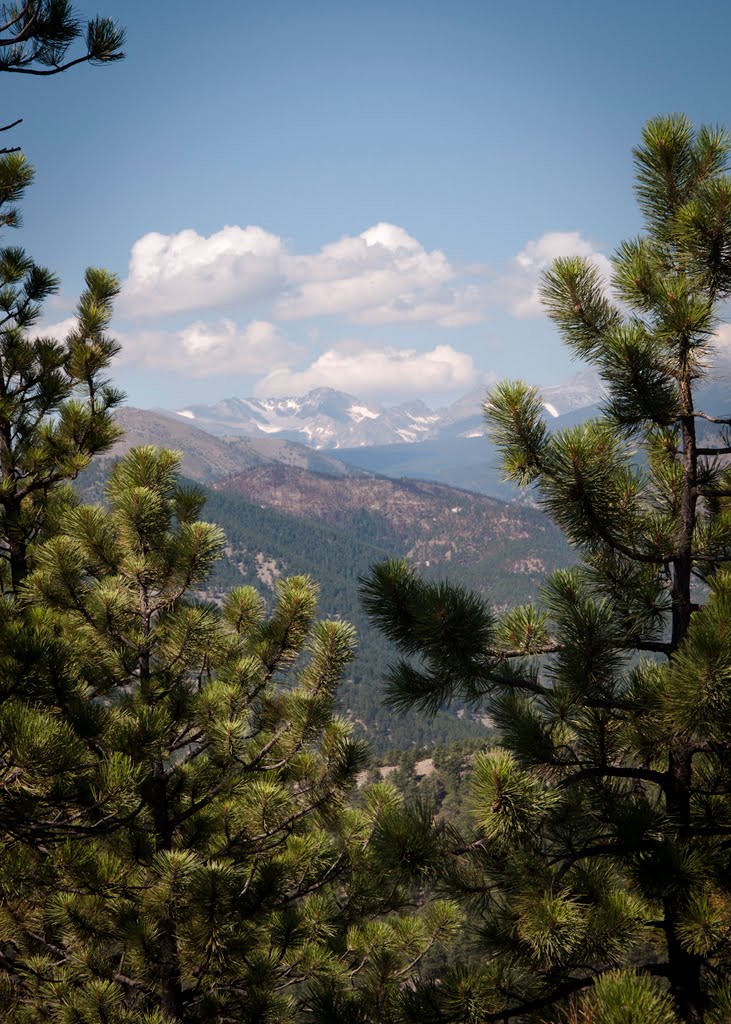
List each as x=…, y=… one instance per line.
x=55, y=399
x=337, y=558
x=596, y=872
x=55, y=402
x=55, y=413
x=36, y=36
x=226, y=876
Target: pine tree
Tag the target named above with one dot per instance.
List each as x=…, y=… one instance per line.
x=236, y=871
x=597, y=876
x=55, y=401
x=35, y=38
x=55, y=414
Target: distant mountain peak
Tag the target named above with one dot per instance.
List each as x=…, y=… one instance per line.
x=323, y=418
x=328, y=418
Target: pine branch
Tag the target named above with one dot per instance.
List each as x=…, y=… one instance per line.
x=22, y=13
x=657, y=646
x=531, y=686
x=46, y=72
x=567, y=988
x=660, y=779
x=723, y=421
x=714, y=492
x=25, y=33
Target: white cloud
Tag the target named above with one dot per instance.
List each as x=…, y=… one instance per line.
x=175, y=273
x=377, y=371
x=382, y=276
x=206, y=349
x=518, y=288
x=60, y=330
x=722, y=339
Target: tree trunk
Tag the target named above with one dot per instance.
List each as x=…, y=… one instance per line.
x=15, y=539
x=169, y=970
x=685, y=969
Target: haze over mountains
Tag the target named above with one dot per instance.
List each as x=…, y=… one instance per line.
x=327, y=419
x=332, y=432
x=336, y=434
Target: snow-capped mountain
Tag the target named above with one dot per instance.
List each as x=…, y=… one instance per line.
x=464, y=418
x=579, y=392
x=326, y=418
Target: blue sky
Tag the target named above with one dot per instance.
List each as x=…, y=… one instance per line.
x=353, y=194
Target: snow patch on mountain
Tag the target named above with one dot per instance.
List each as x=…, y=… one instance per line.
x=362, y=412
x=327, y=418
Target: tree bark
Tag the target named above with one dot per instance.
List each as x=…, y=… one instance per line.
x=171, y=988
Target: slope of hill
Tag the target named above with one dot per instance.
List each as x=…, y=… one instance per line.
x=501, y=549
x=263, y=545
x=206, y=457
x=509, y=546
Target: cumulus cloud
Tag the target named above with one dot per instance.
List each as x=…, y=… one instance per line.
x=377, y=371
x=175, y=273
x=382, y=276
x=518, y=287
x=206, y=349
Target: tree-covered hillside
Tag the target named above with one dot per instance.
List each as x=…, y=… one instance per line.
x=264, y=544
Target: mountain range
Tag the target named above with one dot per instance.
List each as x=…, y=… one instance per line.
x=347, y=498
x=338, y=434
x=448, y=445
x=207, y=457
x=330, y=419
